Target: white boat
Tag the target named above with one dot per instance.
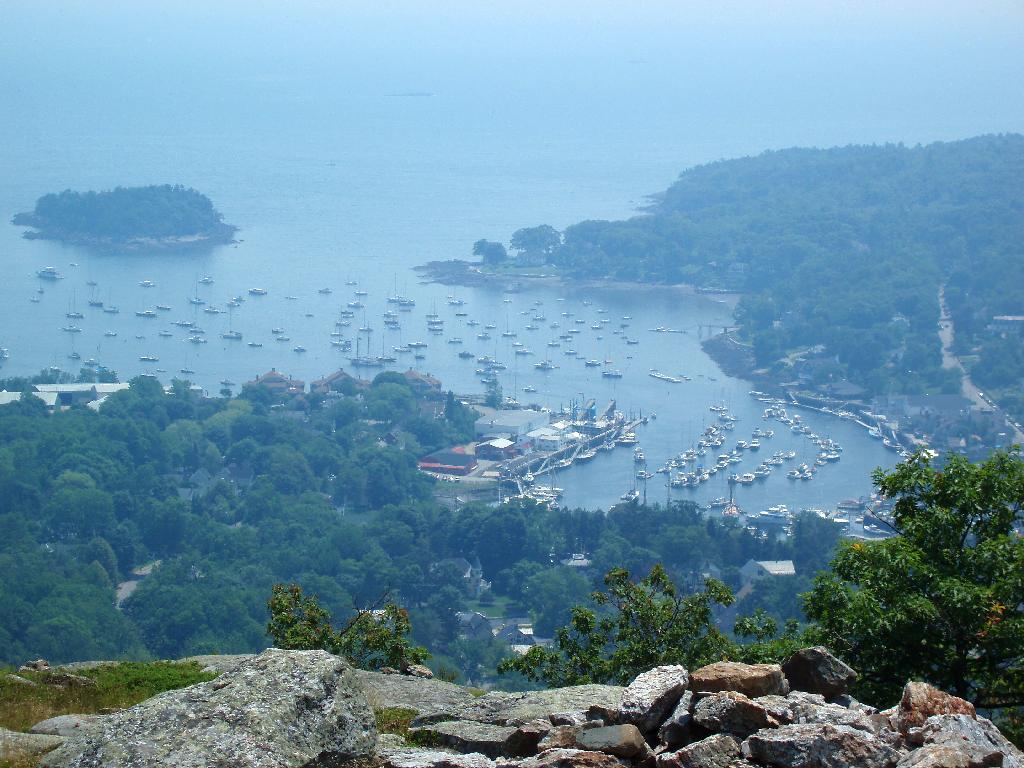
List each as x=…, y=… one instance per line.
x=257, y=291
x=664, y=377
x=49, y=273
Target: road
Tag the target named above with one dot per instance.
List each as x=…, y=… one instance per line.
x=947, y=333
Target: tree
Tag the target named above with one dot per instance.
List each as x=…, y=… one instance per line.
x=490, y=251
x=531, y=241
x=371, y=639
x=636, y=626
x=943, y=600
x=494, y=397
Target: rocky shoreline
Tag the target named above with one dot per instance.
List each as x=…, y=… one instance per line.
x=469, y=274
x=309, y=708
x=733, y=357
x=224, y=234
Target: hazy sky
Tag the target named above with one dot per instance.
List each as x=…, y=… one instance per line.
x=947, y=63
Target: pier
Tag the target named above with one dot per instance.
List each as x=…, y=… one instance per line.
x=538, y=463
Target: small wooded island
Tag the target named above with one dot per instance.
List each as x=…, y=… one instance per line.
x=160, y=216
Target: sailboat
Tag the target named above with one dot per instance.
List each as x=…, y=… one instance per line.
x=73, y=313
x=364, y=361
x=231, y=334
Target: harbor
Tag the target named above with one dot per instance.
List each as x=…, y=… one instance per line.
x=555, y=348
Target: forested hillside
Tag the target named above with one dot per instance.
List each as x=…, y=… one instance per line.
x=843, y=247
x=306, y=491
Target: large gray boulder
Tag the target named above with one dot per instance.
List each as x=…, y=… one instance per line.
x=517, y=708
x=280, y=709
x=619, y=740
x=571, y=758
x=936, y=757
x=218, y=663
x=975, y=736
x=815, y=670
x=800, y=707
x=732, y=713
x=467, y=736
x=818, y=745
x=16, y=747
x=652, y=696
x=717, y=751
x=66, y=725
x=675, y=731
x=429, y=758
x=407, y=692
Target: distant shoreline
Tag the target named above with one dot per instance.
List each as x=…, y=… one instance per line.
x=468, y=274
x=224, y=235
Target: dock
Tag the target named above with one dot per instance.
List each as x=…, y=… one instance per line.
x=512, y=471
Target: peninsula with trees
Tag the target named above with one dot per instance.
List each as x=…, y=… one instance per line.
x=842, y=256
x=157, y=216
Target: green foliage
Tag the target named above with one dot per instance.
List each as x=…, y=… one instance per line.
x=490, y=252
x=117, y=685
x=943, y=600
x=125, y=213
x=88, y=498
x=766, y=645
x=494, y=396
x=636, y=626
x=371, y=639
x=536, y=241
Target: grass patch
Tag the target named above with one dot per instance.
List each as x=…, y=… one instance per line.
x=396, y=720
x=28, y=762
x=117, y=686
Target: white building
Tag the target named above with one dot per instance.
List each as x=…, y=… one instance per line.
x=759, y=569
x=512, y=425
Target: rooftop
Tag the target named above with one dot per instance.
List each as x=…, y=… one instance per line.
x=513, y=418
x=778, y=567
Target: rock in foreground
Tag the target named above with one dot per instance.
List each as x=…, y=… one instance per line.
x=815, y=670
x=278, y=709
x=749, y=679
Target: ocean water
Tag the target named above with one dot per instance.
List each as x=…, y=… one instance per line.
x=354, y=147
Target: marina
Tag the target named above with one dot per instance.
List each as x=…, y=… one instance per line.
x=690, y=451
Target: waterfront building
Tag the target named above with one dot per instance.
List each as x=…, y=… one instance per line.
x=512, y=425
